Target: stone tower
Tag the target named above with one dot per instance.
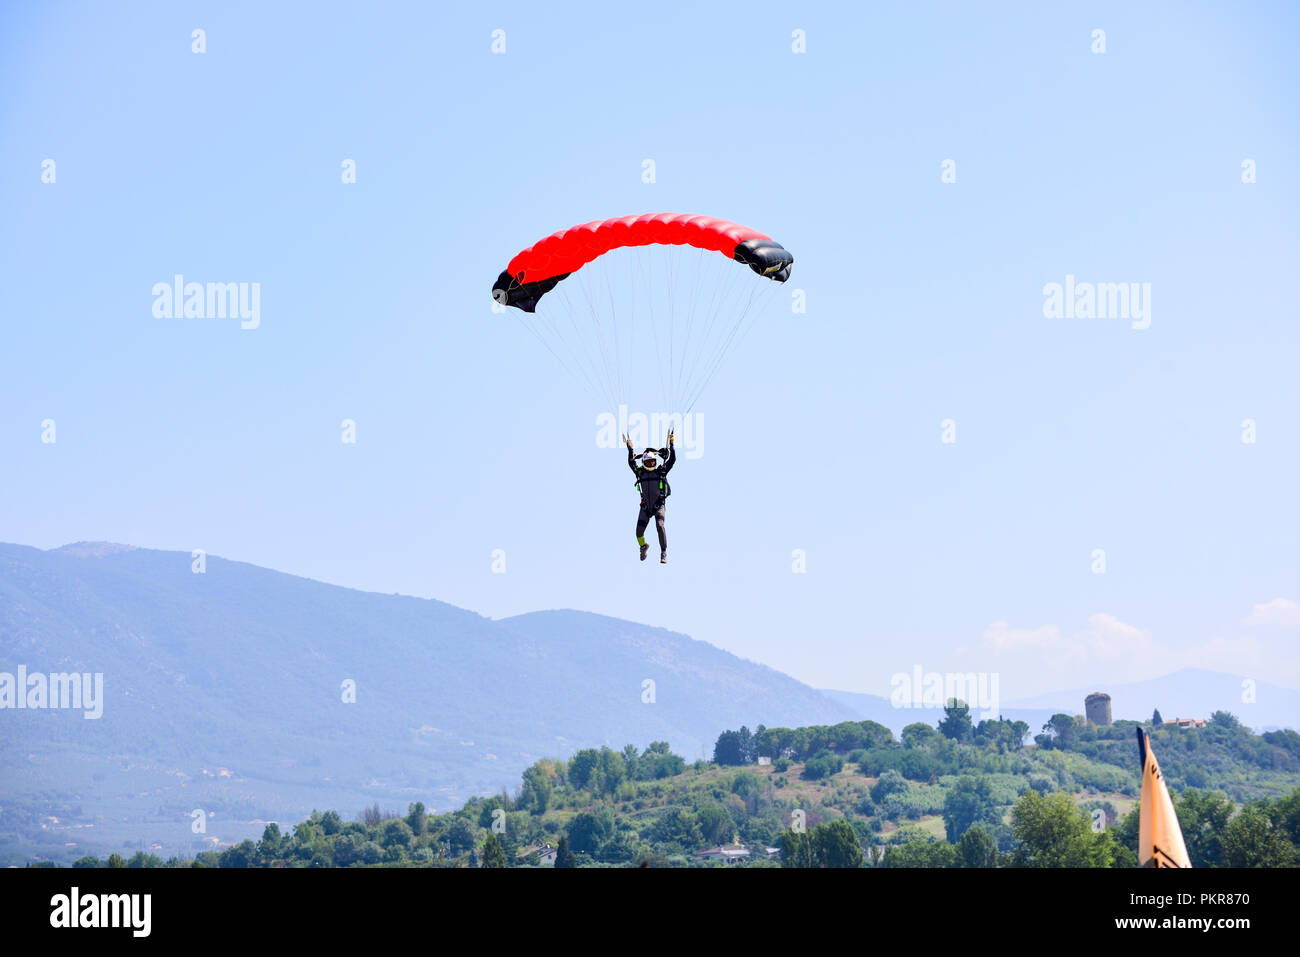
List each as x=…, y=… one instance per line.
x=1097, y=707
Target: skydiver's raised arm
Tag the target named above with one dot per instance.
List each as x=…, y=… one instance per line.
x=631, y=460
x=672, y=457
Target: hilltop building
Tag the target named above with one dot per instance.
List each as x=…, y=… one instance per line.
x=1097, y=708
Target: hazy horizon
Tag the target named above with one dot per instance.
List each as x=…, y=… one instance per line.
x=1119, y=499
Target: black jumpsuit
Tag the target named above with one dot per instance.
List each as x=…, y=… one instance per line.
x=654, y=488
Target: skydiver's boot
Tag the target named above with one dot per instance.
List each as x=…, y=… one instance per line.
x=644, y=549
x=663, y=557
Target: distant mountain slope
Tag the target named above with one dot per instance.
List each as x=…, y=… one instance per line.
x=1188, y=693
x=224, y=689
x=696, y=686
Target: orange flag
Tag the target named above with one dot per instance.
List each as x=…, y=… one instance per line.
x=1160, y=839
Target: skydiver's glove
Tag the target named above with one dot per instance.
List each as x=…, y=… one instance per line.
x=670, y=436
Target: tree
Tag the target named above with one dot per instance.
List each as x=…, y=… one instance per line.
x=1286, y=739
x=588, y=830
x=658, y=762
x=977, y=849
x=613, y=770
x=715, y=824
x=678, y=826
x=878, y=736
x=1250, y=840
x=729, y=749
x=493, y=855
x=837, y=844
x=833, y=844
x=926, y=853
x=749, y=787
x=1285, y=815
x=396, y=833
x=956, y=723
x=243, y=854
x=582, y=766
x=1223, y=719
x=372, y=816
x=848, y=735
x=631, y=759
x=968, y=802
x=823, y=764
x=919, y=735
x=798, y=850
x=888, y=783
x=488, y=809
x=461, y=835
x=536, y=792
x=1202, y=816
x=416, y=818
x=1055, y=832
x=1062, y=729
x=271, y=846
x=1126, y=831
x=563, y=856
x=1156, y=719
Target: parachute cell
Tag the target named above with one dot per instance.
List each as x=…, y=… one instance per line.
x=535, y=271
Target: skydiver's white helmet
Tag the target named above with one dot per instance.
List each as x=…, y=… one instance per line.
x=650, y=459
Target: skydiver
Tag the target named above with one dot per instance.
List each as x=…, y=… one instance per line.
x=651, y=470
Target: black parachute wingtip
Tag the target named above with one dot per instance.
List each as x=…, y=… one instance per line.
x=510, y=292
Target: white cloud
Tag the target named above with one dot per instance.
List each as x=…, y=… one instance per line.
x=1279, y=611
x=1105, y=649
x=1105, y=637
x=1242, y=655
x=1108, y=637
x=1002, y=637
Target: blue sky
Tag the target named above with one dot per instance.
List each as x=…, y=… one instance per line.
x=925, y=303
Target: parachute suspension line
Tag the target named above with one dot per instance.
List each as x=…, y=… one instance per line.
x=570, y=309
x=671, y=260
x=617, y=360
x=733, y=297
x=647, y=263
x=605, y=323
x=634, y=277
x=712, y=312
x=550, y=323
x=585, y=380
x=593, y=312
x=698, y=264
x=748, y=312
x=744, y=322
x=599, y=360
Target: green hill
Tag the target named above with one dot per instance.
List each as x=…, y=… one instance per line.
x=843, y=795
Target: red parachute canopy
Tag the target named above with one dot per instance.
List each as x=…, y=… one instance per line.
x=641, y=299
x=535, y=271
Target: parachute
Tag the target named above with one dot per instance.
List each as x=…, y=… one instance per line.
x=611, y=297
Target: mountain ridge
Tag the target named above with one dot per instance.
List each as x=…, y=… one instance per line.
x=243, y=669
